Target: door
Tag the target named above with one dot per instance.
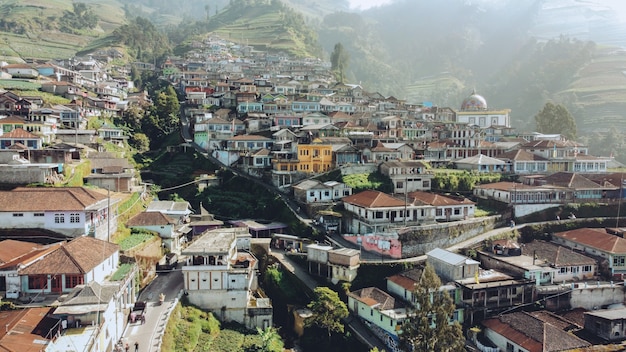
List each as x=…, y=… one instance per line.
x=56, y=283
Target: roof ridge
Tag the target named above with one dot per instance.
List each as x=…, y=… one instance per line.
x=71, y=258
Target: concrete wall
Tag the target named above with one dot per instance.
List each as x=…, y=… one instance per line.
x=421, y=239
x=527, y=209
x=24, y=175
x=593, y=296
x=358, y=169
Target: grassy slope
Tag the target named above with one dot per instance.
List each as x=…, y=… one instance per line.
x=40, y=37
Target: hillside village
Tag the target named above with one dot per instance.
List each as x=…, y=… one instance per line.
x=285, y=121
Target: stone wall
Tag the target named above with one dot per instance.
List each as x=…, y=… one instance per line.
x=419, y=240
x=358, y=169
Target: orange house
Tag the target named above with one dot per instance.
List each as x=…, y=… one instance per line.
x=315, y=158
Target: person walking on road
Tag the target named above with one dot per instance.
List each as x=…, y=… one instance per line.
x=127, y=348
x=136, y=346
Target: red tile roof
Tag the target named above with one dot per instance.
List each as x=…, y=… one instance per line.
x=520, y=155
x=532, y=333
x=595, y=238
x=48, y=199
x=26, y=329
x=150, y=219
x=11, y=249
x=373, y=199
x=78, y=256
x=373, y=296
x=436, y=199
x=407, y=279
x=19, y=133
x=249, y=137
x=12, y=119
x=30, y=257
x=571, y=180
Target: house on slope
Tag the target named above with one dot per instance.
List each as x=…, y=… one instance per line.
x=522, y=331
x=372, y=211
x=597, y=243
x=220, y=278
x=172, y=233
x=80, y=261
x=71, y=211
x=382, y=313
x=447, y=208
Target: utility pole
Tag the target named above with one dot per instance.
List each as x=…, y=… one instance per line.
x=619, y=199
x=109, y=213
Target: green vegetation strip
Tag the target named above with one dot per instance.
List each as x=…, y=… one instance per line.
x=192, y=329
x=134, y=240
x=121, y=272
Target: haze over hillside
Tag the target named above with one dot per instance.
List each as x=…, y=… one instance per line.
x=518, y=54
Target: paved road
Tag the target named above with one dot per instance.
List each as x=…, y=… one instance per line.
x=149, y=335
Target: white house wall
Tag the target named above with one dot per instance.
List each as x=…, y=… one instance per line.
x=374, y=316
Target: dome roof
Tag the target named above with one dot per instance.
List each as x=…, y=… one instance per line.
x=474, y=102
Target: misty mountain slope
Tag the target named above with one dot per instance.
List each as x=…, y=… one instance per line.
x=598, y=92
x=266, y=25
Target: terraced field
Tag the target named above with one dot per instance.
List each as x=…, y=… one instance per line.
x=599, y=92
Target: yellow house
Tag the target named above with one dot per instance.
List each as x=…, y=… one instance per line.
x=315, y=158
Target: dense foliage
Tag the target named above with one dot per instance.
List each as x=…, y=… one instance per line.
x=149, y=125
x=192, y=329
x=362, y=182
x=339, y=59
x=461, y=182
x=555, y=119
x=145, y=42
x=80, y=18
x=328, y=311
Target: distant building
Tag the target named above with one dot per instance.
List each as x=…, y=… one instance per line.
x=474, y=111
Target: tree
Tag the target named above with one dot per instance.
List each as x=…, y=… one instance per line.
x=328, y=310
x=270, y=340
x=428, y=327
x=339, y=61
x=556, y=119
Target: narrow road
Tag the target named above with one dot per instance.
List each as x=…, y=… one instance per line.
x=150, y=334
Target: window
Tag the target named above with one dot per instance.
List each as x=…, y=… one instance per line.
x=18, y=215
x=438, y=212
x=586, y=268
x=457, y=211
x=618, y=261
x=59, y=218
x=74, y=218
x=510, y=347
x=38, y=214
x=37, y=282
x=327, y=193
x=563, y=270
x=72, y=281
x=378, y=215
